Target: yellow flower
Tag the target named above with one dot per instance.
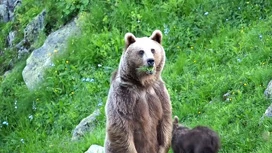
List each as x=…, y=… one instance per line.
x=194, y=61
x=67, y=62
x=245, y=84
x=192, y=47
x=55, y=51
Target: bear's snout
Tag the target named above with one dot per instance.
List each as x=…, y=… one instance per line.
x=150, y=62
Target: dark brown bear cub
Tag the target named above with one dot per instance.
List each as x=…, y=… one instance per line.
x=200, y=139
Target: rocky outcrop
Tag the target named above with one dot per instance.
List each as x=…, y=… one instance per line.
x=85, y=125
x=7, y=8
x=31, y=33
x=11, y=38
x=95, y=149
x=41, y=58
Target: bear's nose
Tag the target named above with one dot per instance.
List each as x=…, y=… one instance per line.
x=150, y=62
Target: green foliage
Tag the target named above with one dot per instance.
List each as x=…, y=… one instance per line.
x=212, y=47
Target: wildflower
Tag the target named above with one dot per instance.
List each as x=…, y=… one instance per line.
x=194, y=61
x=5, y=123
x=192, y=47
x=15, y=104
x=22, y=140
x=245, y=84
x=206, y=13
x=30, y=117
x=34, y=106
x=247, y=2
x=99, y=65
x=72, y=92
x=178, y=47
x=260, y=36
x=100, y=104
x=199, y=112
x=166, y=29
x=67, y=62
x=55, y=51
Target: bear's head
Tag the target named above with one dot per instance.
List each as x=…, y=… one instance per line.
x=142, y=59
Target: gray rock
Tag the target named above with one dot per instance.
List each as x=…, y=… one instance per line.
x=31, y=33
x=41, y=58
x=7, y=8
x=85, y=125
x=268, y=94
x=32, y=30
x=268, y=112
x=95, y=149
x=10, y=38
x=268, y=90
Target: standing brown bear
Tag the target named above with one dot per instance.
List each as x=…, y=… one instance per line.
x=200, y=139
x=138, y=108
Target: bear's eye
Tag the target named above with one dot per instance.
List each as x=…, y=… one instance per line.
x=152, y=51
x=141, y=52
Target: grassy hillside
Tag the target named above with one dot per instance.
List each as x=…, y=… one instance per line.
x=212, y=47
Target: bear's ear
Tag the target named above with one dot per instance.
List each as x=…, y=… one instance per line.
x=176, y=120
x=156, y=36
x=129, y=39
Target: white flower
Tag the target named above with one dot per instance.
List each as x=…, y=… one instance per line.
x=99, y=65
x=5, y=123
x=30, y=117
x=15, y=104
x=166, y=29
x=22, y=140
x=206, y=13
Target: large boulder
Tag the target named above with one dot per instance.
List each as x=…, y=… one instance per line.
x=86, y=125
x=41, y=58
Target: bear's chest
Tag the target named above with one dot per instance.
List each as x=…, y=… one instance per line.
x=148, y=108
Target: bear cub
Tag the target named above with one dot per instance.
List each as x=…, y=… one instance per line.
x=200, y=139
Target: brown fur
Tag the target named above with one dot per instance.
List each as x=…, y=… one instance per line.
x=200, y=139
x=138, y=108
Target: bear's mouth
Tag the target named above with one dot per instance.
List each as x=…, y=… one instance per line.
x=147, y=69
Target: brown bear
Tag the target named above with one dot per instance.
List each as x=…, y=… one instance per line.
x=200, y=139
x=138, y=108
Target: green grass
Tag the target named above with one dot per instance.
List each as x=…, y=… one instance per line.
x=212, y=48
